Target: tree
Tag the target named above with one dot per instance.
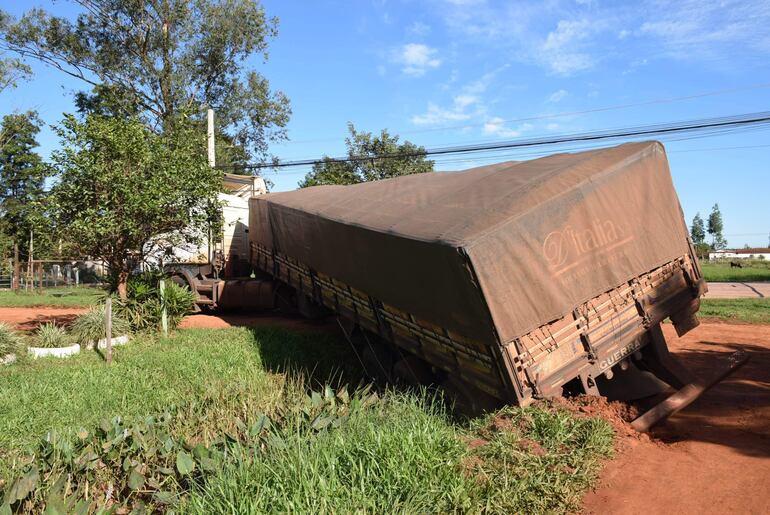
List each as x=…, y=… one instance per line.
x=370, y=158
x=22, y=176
x=11, y=70
x=159, y=58
x=715, y=228
x=697, y=230
x=120, y=185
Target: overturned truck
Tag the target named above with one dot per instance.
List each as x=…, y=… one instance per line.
x=504, y=283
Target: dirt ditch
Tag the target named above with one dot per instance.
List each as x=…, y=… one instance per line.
x=713, y=457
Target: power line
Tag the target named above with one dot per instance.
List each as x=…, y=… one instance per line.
x=693, y=126
x=563, y=114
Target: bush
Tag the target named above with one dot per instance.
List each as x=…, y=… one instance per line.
x=49, y=336
x=89, y=327
x=10, y=340
x=143, y=308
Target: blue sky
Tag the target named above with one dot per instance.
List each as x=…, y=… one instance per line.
x=444, y=72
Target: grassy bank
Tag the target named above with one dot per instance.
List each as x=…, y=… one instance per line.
x=66, y=297
x=232, y=428
x=752, y=271
x=752, y=311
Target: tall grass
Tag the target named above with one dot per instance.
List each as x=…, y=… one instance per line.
x=10, y=341
x=399, y=452
x=49, y=335
x=90, y=327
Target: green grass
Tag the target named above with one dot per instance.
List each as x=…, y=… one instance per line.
x=402, y=453
x=753, y=271
x=68, y=297
x=753, y=311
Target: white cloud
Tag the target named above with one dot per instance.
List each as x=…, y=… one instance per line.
x=496, y=127
x=418, y=28
x=566, y=37
x=436, y=115
x=416, y=59
x=469, y=96
x=558, y=96
x=561, y=50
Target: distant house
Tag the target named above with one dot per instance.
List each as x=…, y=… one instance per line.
x=754, y=253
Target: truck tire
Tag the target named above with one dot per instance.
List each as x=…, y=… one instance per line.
x=465, y=400
x=413, y=371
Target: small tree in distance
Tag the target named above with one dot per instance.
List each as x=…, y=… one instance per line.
x=367, y=162
x=697, y=230
x=121, y=184
x=715, y=227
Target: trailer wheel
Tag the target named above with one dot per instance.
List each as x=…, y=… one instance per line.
x=413, y=371
x=183, y=282
x=378, y=360
x=465, y=400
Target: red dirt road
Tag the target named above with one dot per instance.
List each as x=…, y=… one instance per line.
x=714, y=456
x=29, y=318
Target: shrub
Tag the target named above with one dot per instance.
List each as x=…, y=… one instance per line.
x=10, y=340
x=143, y=308
x=90, y=327
x=49, y=335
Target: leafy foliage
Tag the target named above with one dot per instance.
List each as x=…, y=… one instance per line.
x=90, y=327
x=50, y=335
x=10, y=341
x=22, y=175
x=120, y=185
x=715, y=227
x=142, y=464
x=157, y=59
x=367, y=160
x=143, y=306
x=697, y=230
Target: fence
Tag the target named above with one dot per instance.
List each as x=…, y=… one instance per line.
x=52, y=274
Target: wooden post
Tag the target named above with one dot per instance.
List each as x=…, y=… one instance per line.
x=163, y=314
x=40, y=274
x=108, y=324
x=16, y=267
x=30, y=263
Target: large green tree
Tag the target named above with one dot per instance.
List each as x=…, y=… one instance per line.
x=370, y=158
x=715, y=227
x=120, y=185
x=22, y=177
x=157, y=58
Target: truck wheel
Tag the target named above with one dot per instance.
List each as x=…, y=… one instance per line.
x=413, y=371
x=378, y=361
x=182, y=283
x=465, y=400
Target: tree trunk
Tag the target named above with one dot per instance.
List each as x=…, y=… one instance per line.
x=122, y=284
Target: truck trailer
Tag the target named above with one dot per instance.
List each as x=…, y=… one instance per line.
x=504, y=283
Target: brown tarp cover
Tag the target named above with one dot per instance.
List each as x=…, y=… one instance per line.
x=505, y=248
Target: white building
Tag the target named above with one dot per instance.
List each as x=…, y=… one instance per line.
x=753, y=253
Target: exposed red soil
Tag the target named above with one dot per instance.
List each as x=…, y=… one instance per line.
x=714, y=456
x=27, y=319
x=219, y=321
